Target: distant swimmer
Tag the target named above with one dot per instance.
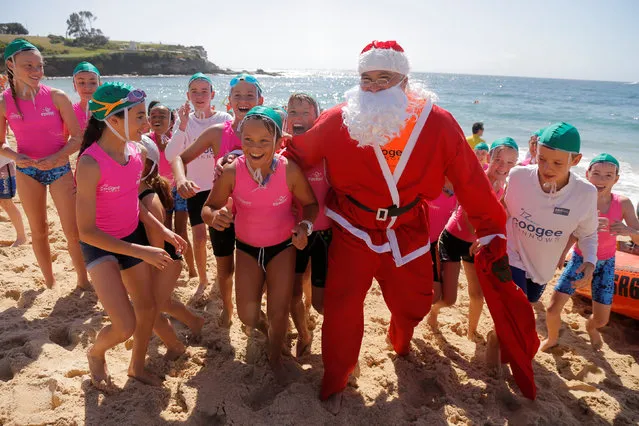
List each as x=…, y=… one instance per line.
x=476, y=101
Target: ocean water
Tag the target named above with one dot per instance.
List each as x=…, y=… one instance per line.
x=606, y=113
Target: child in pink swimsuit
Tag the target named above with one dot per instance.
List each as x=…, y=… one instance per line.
x=86, y=79
x=263, y=186
x=41, y=117
x=458, y=236
x=111, y=223
x=219, y=140
x=614, y=209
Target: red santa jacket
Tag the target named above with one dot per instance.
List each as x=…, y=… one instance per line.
x=436, y=148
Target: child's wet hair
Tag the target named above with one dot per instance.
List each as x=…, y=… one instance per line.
x=304, y=97
x=268, y=123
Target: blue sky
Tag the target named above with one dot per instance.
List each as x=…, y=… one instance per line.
x=584, y=39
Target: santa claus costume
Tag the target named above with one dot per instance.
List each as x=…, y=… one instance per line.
x=378, y=204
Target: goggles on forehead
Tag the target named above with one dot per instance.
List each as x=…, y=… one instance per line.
x=249, y=79
x=133, y=97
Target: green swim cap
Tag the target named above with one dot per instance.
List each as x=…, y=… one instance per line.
x=267, y=112
x=17, y=45
x=540, y=131
x=201, y=76
x=481, y=146
x=509, y=142
x=85, y=66
x=604, y=158
x=112, y=97
x=561, y=136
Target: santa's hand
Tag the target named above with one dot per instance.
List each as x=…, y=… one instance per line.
x=222, y=219
x=299, y=238
x=587, y=269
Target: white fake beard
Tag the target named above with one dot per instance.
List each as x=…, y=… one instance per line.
x=375, y=118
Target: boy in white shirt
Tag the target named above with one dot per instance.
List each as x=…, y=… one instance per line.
x=546, y=203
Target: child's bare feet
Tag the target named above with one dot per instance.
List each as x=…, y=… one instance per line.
x=98, y=369
x=224, y=319
x=19, y=241
x=51, y=285
x=303, y=345
x=174, y=353
x=285, y=371
x=493, y=357
x=595, y=337
x=199, y=291
x=145, y=376
x=432, y=320
x=547, y=344
x=84, y=284
x=196, y=329
x=334, y=403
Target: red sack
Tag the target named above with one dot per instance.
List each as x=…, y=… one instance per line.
x=512, y=314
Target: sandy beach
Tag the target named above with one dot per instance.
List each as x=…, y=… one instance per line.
x=225, y=378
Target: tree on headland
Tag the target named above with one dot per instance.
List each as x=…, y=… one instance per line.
x=80, y=26
x=13, y=28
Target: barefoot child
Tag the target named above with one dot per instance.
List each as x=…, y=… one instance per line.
x=86, y=79
x=188, y=127
x=38, y=116
x=439, y=211
x=111, y=224
x=219, y=140
x=303, y=110
x=614, y=209
x=458, y=237
x=7, y=192
x=155, y=195
x=546, y=204
x=161, y=119
x=263, y=185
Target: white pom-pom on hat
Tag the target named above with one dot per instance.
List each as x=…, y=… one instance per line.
x=383, y=56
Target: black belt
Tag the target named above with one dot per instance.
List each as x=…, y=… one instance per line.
x=385, y=213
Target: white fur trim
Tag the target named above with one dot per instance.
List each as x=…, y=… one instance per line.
x=383, y=60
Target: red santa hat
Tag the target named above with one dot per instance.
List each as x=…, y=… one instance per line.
x=383, y=56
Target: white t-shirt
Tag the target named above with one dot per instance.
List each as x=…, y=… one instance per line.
x=202, y=169
x=4, y=161
x=539, y=224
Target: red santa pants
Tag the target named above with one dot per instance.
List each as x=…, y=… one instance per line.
x=352, y=266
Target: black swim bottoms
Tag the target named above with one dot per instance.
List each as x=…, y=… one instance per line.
x=263, y=255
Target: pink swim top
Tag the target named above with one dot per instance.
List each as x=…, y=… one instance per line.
x=264, y=215
x=606, y=242
x=164, y=168
x=117, y=208
x=439, y=211
x=40, y=130
x=459, y=226
x=319, y=183
x=230, y=141
x=81, y=115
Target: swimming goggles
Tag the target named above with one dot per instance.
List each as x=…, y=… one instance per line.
x=248, y=78
x=134, y=97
